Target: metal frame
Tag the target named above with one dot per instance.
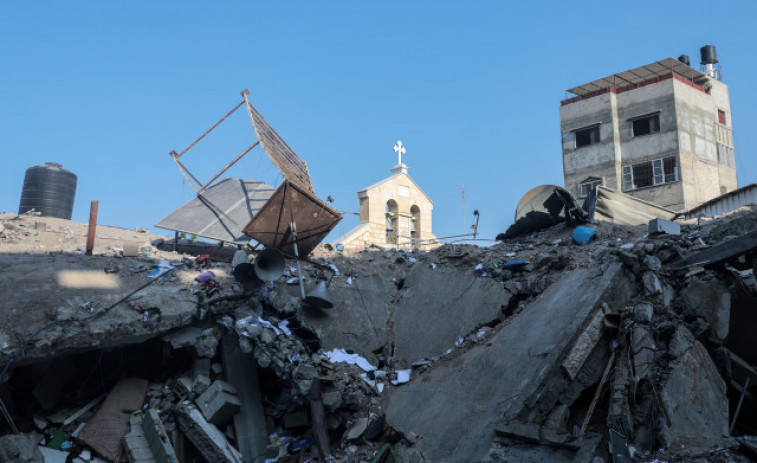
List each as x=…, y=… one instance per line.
x=290, y=166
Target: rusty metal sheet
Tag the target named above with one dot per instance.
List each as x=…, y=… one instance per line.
x=291, y=203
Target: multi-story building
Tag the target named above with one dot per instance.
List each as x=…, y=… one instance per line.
x=659, y=132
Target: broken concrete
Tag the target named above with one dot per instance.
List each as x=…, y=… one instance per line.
x=210, y=442
x=249, y=422
x=20, y=448
x=219, y=403
x=428, y=321
x=694, y=395
x=496, y=374
x=711, y=300
x=148, y=441
x=489, y=345
x=103, y=433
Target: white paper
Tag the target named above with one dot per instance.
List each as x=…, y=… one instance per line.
x=340, y=355
x=403, y=376
x=284, y=325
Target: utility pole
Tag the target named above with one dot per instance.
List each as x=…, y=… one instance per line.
x=465, y=225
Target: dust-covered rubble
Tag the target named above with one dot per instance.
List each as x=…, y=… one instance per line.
x=535, y=349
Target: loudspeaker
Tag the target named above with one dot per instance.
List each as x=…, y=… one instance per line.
x=245, y=274
x=269, y=264
x=319, y=296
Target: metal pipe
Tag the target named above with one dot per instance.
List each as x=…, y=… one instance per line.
x=92, y=227
x=293, y=227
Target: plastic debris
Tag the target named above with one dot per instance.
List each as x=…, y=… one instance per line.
x=205, y=276
x=584, y=235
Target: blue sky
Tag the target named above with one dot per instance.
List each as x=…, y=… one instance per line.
x=471, y=88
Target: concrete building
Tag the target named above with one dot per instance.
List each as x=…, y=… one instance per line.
x=660, y=132
x=394, y=213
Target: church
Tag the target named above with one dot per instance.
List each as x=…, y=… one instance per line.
x=394, y=214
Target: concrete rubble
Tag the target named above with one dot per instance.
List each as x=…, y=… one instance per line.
x=634, y=347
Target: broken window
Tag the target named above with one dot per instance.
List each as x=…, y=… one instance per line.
x=587, y=136
x=646, y=125
x=650, y=173
x=721, y=117
x=588, y=185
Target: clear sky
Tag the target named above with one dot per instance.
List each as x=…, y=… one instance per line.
x=109, y=88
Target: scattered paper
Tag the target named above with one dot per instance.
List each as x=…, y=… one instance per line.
x=243, y=323
x=433, y=265
x=627, y=246
x=350, y=279
x=163, y=267
x=340, y=355
x=284, y=325
x=479, y=266
x=403, y=376
x=333, y=267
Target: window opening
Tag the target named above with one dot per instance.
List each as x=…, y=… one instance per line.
x=650, y=173
x=587, y=186
x=587, y=136
x=646, y=125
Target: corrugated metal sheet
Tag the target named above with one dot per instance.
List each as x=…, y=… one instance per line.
x=728, y=202
x=616, y=207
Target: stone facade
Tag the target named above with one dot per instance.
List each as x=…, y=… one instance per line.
x=394, y=213
x=661, y=141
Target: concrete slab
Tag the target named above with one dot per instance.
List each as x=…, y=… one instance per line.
x=103, y=433
x=206, y=438
x=456, y=405
x=440, y=305
x=360, y=315
x=694, y=395
x=58, y=286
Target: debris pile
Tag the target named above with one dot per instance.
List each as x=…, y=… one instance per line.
x=632, y=343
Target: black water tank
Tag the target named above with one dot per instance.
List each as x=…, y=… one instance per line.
x=49, y=189
x=708, y=54
x=685, y=60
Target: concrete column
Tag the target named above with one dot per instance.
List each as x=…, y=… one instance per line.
x=249, y=424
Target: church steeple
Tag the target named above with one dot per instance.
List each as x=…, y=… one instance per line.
x=400, y=150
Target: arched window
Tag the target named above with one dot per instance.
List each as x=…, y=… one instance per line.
x=392, y=225
x=415, y=228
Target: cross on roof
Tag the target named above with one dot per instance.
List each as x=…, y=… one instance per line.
x=400, y=150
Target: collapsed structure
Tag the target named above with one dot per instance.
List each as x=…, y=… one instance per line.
x=634, y=347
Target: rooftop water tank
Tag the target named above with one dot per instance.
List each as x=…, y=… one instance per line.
x=49, y=189
x=708, y=54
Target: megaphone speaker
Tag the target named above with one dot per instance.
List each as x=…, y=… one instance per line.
x=319, y=296
x=244, y=273
x=269, y=264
